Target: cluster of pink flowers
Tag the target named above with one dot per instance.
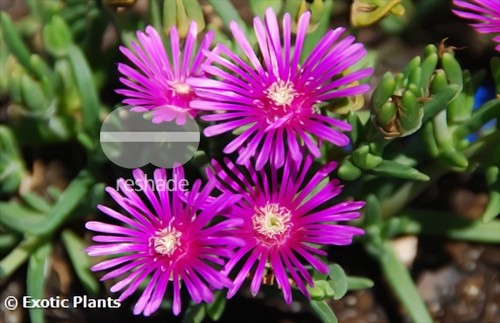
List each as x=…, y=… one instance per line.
x=269, y=211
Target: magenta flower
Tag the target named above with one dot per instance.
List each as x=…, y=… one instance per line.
x=285, y=222
x=153, y=84
x=165, y=238
x=275, y=100
x=485, y=12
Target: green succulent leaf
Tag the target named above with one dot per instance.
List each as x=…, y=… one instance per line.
x=195, y=313
x=338, y=281
x=67, y=202
x=12, y=167
x=439, y=101
x=86, y=89
x=321, y=290
x=398, y=170
x=20, y=218
x=15, y=42
x=33, y=96
x=36, y=277
x=259, y=6
x=323, y=311
x=57, y=37
x=348, y=171
x=492, y=209
x=36, y=202
x=80, y=261
x=216, y=308
x=357, y=283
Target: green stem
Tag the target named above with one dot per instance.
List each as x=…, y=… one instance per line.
x=402, y=285
x=19, y=255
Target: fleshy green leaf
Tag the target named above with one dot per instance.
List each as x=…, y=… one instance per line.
x=216, y=308
x=395, y=169
x=20, y=218
x=36, y=277
x=356, y=283
x=492, y=209
x=36, y=202
x=32, y=95
x=439, y=101
x=14, y=41
x=12, y=168
x=57, y=37
x=66, y=203
x=19, y=255
x=195, y=313
x=323, y=311
x=348, y=171
x=321, y=290
x=372, y=211
x=80, y=261
x=7, y=241
x=86, y=89
x=227, y=12
x=259, y=6
x=338, y=281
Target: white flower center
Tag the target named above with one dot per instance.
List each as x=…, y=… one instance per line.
x=166, y=241
x=271, y=220
x=181, y=88
x=281, y=93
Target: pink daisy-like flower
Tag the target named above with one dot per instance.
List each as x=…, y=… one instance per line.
x=485, y=12
x=166, y=239
x=275, y=100
x=285, y=222
x=154, y=84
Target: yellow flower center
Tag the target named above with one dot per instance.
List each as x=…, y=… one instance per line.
x=166, y=241
x=181, y=88
x=272, y=221
x=281, y=93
